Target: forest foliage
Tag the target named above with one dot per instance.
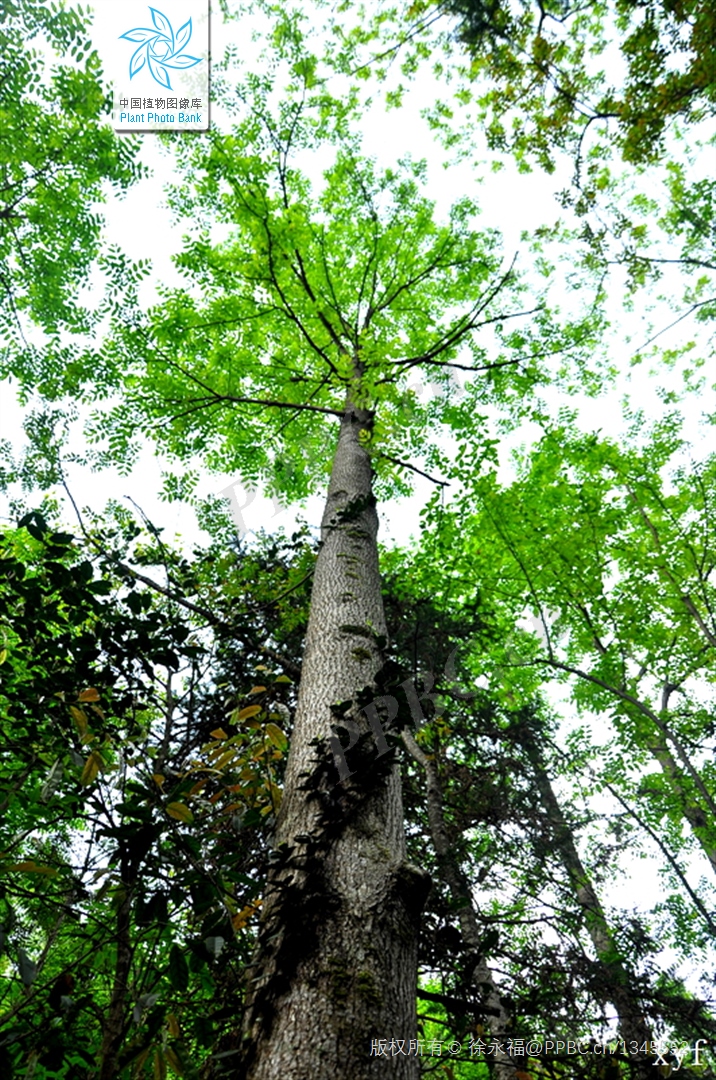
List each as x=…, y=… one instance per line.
x=556, y=620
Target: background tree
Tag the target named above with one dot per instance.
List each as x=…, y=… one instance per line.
x=611, y=559
x=58, y=155
x=634, y=648
x=138, y=778
x=316, y=310
x=533, y=862
x=324, y=305
x=554, y=60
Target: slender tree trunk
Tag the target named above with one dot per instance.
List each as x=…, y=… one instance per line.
x=114, y=1027
x=498, y=1022
x=700, y=820
x=699, y=815
x=337, y=958
x=617, y=979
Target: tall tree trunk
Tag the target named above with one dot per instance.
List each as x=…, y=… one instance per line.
x=337, y=957
x=618, y=982
x=498, y=1020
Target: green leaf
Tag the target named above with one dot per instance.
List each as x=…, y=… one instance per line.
x=178, y=969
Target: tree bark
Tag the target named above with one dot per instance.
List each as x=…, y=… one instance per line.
x=503, y=1065
x=337, y=958
x=633, y=1028
x=114, y=1028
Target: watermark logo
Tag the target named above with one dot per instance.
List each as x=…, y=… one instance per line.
x=386, y=710
x=158, y=63
x=160, y=49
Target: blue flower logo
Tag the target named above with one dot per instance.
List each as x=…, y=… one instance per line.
x=160, y=48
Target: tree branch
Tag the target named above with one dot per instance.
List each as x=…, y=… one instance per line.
x=414, y=468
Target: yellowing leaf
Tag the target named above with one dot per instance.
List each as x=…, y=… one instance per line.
x=3, y=656
x=158, y=778
x=256, y=690
x=160, y=1065
x=89, y=695
x=250, y=710
x=282, y=679
x=29, y=866
x=180, y=812
x=173, y=1059
x=225, y=758
x=276, y=794
x=276, y=736
x=241, y=918
x=93, y=764
x=80, y=718
x=174, y=1029
x=218, y=733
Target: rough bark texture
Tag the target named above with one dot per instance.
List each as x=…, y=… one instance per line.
x=498, y=1020
x=337, y=958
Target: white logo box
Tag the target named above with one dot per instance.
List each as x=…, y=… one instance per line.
x=156, y=59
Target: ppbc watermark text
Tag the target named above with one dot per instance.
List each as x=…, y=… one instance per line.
x=662, y=1052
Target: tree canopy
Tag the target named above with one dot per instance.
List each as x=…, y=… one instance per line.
x=306, y=804
x=559, y=62
x=58, y=156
